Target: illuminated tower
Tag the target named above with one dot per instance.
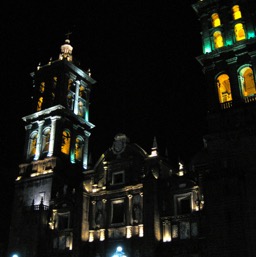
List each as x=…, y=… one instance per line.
x=55, y=156
x=229, y=64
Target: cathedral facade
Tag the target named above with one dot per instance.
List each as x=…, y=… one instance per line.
x=134, y=203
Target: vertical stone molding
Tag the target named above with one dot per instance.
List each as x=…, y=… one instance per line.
x=76, y=97
x=39, y=140
x=52, y=136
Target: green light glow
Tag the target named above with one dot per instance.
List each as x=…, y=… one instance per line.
x=72, y=157
x=207, y=46
x=87, y=115
x=229, y=42
x=251, y=34
x=207, y=49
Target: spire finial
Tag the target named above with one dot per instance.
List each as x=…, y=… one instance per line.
x=154, y=143
x=181, y=170
x=154, y=148
x=66, y=49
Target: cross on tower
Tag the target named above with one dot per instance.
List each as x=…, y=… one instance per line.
x=68, y=34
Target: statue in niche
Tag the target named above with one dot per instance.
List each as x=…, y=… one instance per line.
x=99, y=215
x=99, y=219
x=136, y=210
x=136, y=213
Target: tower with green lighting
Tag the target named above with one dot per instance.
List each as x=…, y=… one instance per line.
x=55, y=156
x=228, y=62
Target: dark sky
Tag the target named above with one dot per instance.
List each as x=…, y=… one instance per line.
x=143, y=57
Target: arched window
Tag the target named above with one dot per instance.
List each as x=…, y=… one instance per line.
x=215, y=20
x=218, y=39
x=70, y=100
x=42, y=87
x=81, y=109
x=79, y=145
x=53, y=96
x=65, y=146
x=247, y=81
x=239, y=32
x=82, y=92
x=33, y=143
x=70, y=83
x=46, y=139
x=236, y=12
x=54, y=84
x=224, y=89
x=39, y=104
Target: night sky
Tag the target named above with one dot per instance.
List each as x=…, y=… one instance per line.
x=143, y=57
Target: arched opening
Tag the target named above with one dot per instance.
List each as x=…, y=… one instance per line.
x=218, y=39
x=33, y=143
x=236, y=12
x=66, y=139
x=79, y=145
x=215, y=20
x=247, y=81
x=224, y=89
x=46, y=139
x=39, y=104
x=239, y=32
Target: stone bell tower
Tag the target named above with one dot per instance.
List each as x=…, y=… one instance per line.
x=228, y=62
x=55, y=156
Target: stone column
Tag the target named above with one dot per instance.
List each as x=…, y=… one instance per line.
x=93, y=214
x=39, y=140
x=129, y=212
x=85, y=150
x=141, y=206
x=76, y=97
x=52, y=136
x=104, y=229
x=104, y=201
